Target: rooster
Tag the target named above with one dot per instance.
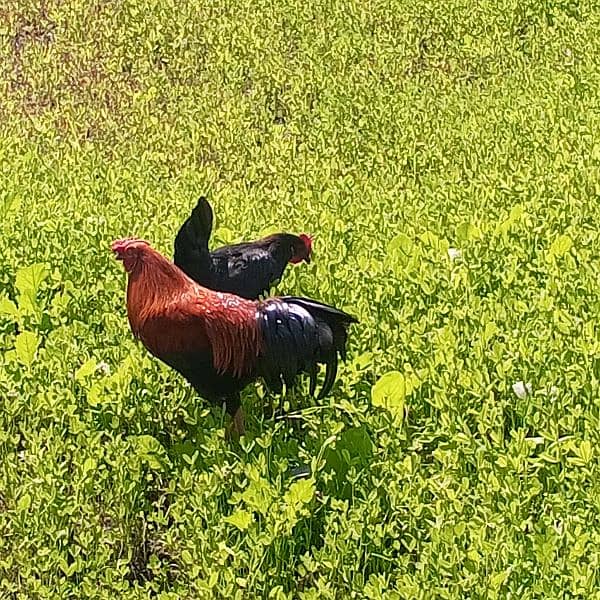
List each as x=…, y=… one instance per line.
x=247, y=269
x=220, y=342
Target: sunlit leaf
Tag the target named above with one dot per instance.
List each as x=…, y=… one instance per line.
x=401, y=244
x=8, y=307
x=240, y=518
x=29, y=279
x=467, y=231
x=24, y=502
x=301, y=492
x=86, y=369
x=151, y=451
x=390, y=392
x=560, y=246
x=89, y=465
x=26, y=346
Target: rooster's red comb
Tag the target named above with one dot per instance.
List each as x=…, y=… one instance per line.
x=124, y=243
x=120, y=247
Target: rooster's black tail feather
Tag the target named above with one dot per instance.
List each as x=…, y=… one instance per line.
x=298, y=335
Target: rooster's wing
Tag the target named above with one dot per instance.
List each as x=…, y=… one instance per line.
x=297, y=335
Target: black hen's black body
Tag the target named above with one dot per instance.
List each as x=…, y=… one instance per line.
x=297, y=336
x=248, y=269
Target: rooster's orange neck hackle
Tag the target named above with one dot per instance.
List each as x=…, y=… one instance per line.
x=170, y=313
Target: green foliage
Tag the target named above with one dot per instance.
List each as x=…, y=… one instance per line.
x=446, y=157
x=390, y=392
x=26, y=345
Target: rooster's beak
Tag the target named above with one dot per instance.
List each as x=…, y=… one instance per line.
x=117, y=247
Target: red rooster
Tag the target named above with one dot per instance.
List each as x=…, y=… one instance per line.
x=220, y=342
x=247, y=269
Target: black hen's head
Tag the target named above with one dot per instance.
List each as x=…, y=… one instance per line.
x=302, y=249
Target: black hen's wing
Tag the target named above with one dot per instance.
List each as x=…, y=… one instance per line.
x=191, y=244
x=247, y=269
x=299, y=334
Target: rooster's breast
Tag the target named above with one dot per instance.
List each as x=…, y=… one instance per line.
x=163, y=335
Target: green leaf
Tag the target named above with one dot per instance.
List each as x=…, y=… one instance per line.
x=240, y=518
x=30, y=278
x=151, y=451
x=467, y=231
x=96, y=394
x=8, y=307
x=300, y=492
x=24, y=502
x=401, y=244
x=277, y=593
x=430, y=240
x=10, y=205
x=498, y=579
x=560, y=246
x=390, y=393
x=356, y=441
x=26, y=346
x=89, y=465
x=258, y=495
x=224, y=235
x=86, y=369
x=517, y=212
x=362, y=361
x=147, y=443
x=586, y=451
x=353, y=447
x=473, y=555
x=491, y=329
x=28, y=282
x=459, y=528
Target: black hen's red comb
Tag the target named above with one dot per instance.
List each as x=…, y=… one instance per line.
x=308, y=241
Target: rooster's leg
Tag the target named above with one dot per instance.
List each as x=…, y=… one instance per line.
x=234, y=408
x=238, y=422
x=236, y=428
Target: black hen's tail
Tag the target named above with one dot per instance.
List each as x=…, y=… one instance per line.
x=299, y=334
x=191, y=243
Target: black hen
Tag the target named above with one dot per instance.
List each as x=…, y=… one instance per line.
x=248, y=269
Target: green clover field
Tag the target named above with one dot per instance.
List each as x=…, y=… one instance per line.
x=446, y=158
